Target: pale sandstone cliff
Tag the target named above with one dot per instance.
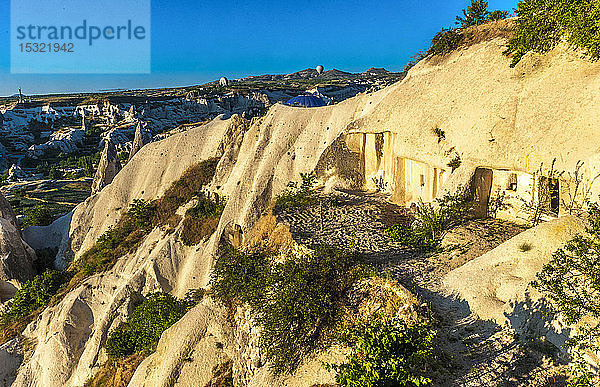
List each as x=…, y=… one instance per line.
x=492, y=115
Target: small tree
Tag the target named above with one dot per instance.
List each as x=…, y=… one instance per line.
x=387, y=353
x=571, y=281
x=37, y=216
x=497, y=15
x=475, y=14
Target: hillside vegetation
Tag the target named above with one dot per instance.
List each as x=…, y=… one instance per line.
x=542, y=24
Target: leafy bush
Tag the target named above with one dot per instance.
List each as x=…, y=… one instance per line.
x=445, y=41
x=297, y=195
x=432, y=221
x=304, y=303
x=571, y=281
x=36, y=293
x=143, y=328
x=207, y=207
x=498, y=15
x=242, y=278
x=475, y=14
x=455, y=163
x=37, y=216
x=541, y=24
x=140, y=212
x=386, y=353
x=409, y=236
x=297, y=301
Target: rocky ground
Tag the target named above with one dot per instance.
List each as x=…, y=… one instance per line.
x=473, y=352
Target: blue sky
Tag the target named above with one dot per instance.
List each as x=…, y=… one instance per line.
x=198, y=41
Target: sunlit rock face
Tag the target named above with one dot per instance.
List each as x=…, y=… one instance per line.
x=108, y=168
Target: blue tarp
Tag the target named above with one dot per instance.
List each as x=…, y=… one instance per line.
x=306, y=101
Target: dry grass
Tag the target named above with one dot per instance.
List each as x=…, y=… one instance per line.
x=222, y=375
x=184, y=189
x=12, y=329
x=484, y=33
x=115, y=373
x=503, y=29
x=268, y=235
x=195, y=230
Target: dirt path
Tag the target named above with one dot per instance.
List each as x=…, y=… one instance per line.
x=476, y=352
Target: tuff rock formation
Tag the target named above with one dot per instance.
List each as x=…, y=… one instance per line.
x=7, y=213
x=16, y=257
x=15, y=173
x=389, y=135
x=108, y=167
x=139, y=140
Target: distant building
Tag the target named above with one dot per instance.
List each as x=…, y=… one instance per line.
x=223, y=82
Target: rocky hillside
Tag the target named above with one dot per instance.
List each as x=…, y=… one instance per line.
x=40, y=125
x=463, y=120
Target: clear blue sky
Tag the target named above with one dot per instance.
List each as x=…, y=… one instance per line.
x=195, y=41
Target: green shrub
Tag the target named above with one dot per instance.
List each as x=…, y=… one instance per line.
x=143, y=328
x=571, y=281
x=445, y=41
x=432, y=221
x=242, y=278
x=37, y=216
x=36, y=293
x=297, y=301
x=498, y=15
x=409, y=236
x=475, y=14
x=541, y=24
x=304, y=303
x=140, y=212
x=386, y=353
x=455, y=163
x=297, y=195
